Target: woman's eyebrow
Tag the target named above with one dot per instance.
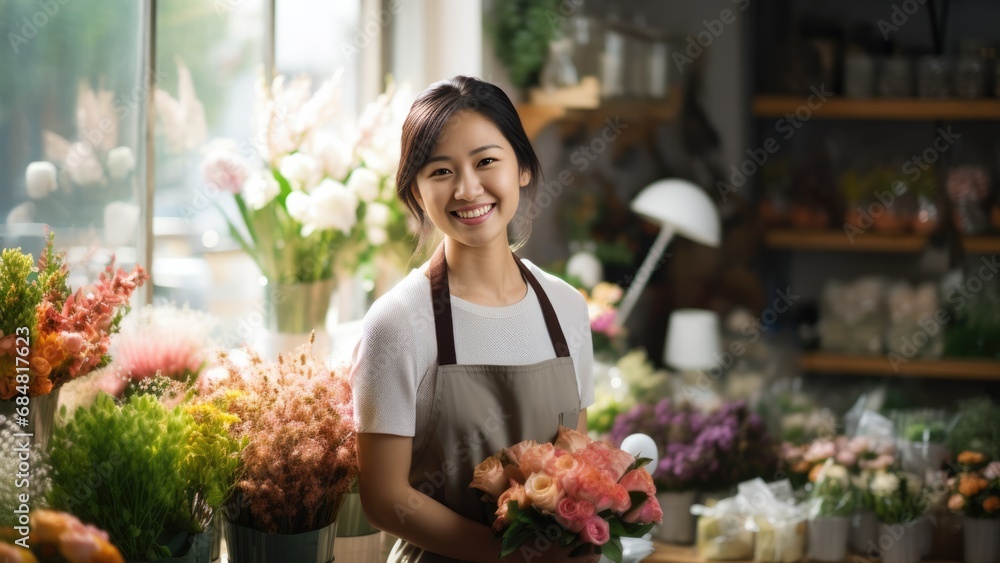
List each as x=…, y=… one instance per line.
x=472, y=152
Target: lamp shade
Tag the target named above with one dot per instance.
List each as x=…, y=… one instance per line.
x=692, y=339
x=681, y=205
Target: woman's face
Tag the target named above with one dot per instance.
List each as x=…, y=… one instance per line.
x=470, y=185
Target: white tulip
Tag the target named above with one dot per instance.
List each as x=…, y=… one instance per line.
x=40, y=179
x=23, y=213
x=121, y=161
x=298, y=204
x=333, y=206
x=120, y=222
x=301, y=170
x=377, y=235
x=586, y=267
x=377, y=214
x=260, y=189
x=365, y=183
x=334, y=154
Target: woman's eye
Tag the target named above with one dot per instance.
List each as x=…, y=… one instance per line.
x=439, y=172
x=486, y=161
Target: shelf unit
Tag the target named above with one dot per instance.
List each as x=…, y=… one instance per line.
x=535, y=117
x=949, y=368
x=834, y=240
x=668, y=553
x=881, y=108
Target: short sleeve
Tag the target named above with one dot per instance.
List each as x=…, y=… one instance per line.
x=585, y=364
x=384, y=374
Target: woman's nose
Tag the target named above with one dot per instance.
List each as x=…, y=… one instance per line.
x=468, y=187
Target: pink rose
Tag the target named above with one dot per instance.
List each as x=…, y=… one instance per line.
x=883, y=461
x=489, y=477
x=847, y=458
x=650, y=511
x=620, y=500
x=571, y=440
x=514, y=452
x=820, y=450
x=72, y=342
x=590, y=484
x=569, y=515
x=533, y=460
x=544, y=492
x=639, y=480
x=595, y=531
x=607, y=458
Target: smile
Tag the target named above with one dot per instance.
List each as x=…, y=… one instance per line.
x=473, y=213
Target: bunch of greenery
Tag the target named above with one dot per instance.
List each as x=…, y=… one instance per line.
x=898, y=498
x=933, y=432
x=977, y=428
x=521, y=31
x=833, y=494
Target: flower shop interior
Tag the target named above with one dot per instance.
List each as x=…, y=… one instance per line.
x=784, y=216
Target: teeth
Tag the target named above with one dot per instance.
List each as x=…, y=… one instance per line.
x=475, y=212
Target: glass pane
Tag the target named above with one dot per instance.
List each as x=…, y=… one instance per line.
x=71, y=129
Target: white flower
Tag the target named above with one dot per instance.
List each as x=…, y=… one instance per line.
x=332, y=206
x=334, y=155
x=586, y=267
x=84, y=168
x=121, y=161
x=377, y=214
x=301, y=170
x=23, y=213
x=225, y=169
x=376, y=235
x=365, y=183
x=40, y=179
x=260, y=188
x=120, y=222
x=885, y=484
x=297, y=203
x=837, y=473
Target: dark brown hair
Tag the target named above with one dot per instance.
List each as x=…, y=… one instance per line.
x=427, y=118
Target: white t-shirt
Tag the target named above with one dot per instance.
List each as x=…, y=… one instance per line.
x=395, y=363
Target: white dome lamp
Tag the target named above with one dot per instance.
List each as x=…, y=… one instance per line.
x=678, y=207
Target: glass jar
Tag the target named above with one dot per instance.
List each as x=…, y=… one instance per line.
x=612, y=64
x=586, y=33
x=559, y=70
x=658, y=69
x=934, y=77
x=859, y=75
x=970, y=77
x=896, y=78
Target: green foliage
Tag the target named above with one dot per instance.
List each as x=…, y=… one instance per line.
x=933, y=432
x=521, y=32
x=903, y=505
x=211, y=463
x=23, y=285
x=833, y=497
x=977, y=428
x=117, y=467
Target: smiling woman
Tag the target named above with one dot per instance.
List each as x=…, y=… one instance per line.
x=509, y=357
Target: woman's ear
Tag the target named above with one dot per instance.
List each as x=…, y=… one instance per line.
x=416, y=196
x=525, y=178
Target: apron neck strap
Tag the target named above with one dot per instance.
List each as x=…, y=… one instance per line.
x=441, y=303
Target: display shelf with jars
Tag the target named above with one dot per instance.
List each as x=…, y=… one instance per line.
x=837, y=240
x=882, y=108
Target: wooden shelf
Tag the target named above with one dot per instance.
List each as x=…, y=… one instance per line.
x=881, y=108
x=834, y=240
x=668, y=553
x=535, y=117
x=962, y=369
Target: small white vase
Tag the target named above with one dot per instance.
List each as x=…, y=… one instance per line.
x=982, y=540
x=899, y=543
x=828, y=538
x=678, y=523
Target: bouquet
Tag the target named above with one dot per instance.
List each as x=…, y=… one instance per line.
x=591, y=492
x=898, y=497
x=323, y=200
x=59, y=537
x=602, y=308
x=975, y=491
x=297, y=415
x=632, y=379
x=833, y=493
x=66, y=335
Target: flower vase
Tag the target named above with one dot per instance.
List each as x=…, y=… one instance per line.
x=982, y=540
x=678, y=523
x=41, y=416
x=899, y=543
x=192, y=548
x=246, y=545
x=828, y=538
x=863, y=533
x=357, y=540
x=293, y=311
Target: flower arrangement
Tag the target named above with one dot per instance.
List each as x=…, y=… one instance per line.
x=858, y=455
x=297, y=415
x=602, y=308
x=58, y=537
x=68, y=334
x=975, y=490
x=324, y=199
x=595, y=493
x=632, y=379
x=833, y=493
x=898, y=497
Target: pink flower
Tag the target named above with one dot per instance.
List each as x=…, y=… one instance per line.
x=573, y=515
x=820, y=450
x=72, y=342
x=883, y=461
x=590, y=484
x=639, y=480
x=992, y=471
x=489, y=477
x=596, y=531
x=607, y=458
x=515, y=452
x=650, y=511
x=534, y=459
x=859, y=444
x=226, y=170
x=620, y=500
x=78, y=545
x=561, y=464
x=847, y=458
x=571, y=440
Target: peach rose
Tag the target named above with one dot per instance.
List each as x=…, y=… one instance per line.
x=956, y=503
x=41, y=366
x=571, y=440
x=514, y=452
x=533, y=460
x=971, y=458
x=639, y=480
x=991, y=504
x=590, y=484
x=490, y=478
x=650, y=511
x=544, y=492
x=613, y=461
x=595, y=531
x=561, y=464
x=620, y=500
x=514, y=493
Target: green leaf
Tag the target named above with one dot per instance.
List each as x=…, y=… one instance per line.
x=613, y=550
x=639, y=462
x=637, y=498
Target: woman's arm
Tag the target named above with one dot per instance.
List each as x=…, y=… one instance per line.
x=581, y=423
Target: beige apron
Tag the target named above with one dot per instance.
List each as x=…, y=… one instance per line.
x=480, y=409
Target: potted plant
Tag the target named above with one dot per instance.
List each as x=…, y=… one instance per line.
x=301, y=458
x=923, y=448
x=975, y=494
x=899, y=503
x=148, y=474
x=831, y=503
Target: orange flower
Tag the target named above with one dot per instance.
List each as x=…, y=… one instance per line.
x=50, y=348
x=802, y=467
x=971, y=458
x=969, y=485
x=991, y=504
x=814, y=472
x=956, y=503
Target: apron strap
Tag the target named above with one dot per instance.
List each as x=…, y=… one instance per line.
x=444, y=328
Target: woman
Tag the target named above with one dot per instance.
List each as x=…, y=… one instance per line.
x=475, y=351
